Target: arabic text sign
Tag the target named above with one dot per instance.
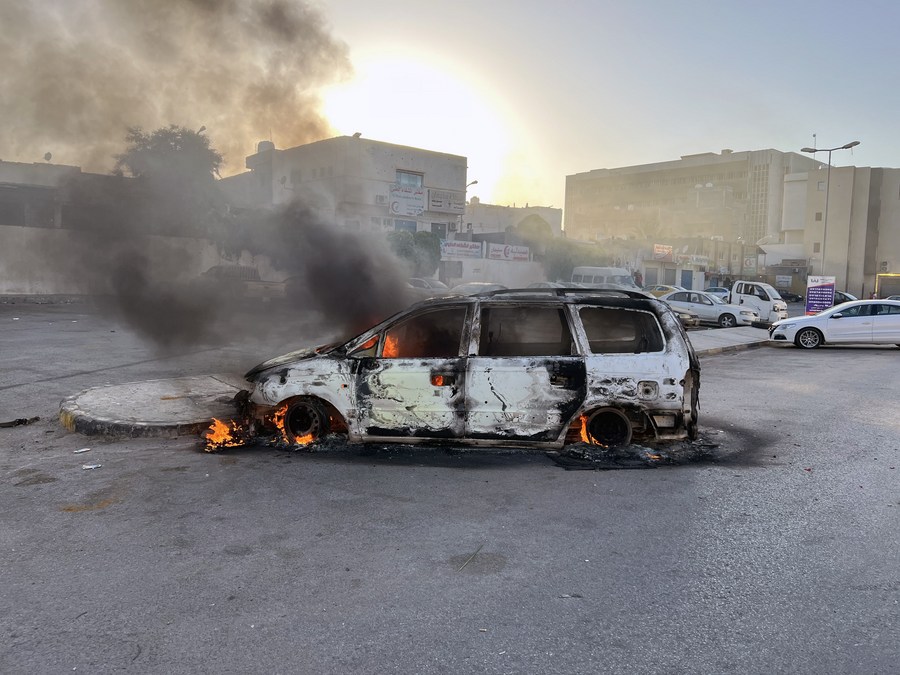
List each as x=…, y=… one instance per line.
x=819, y=294
x=662, y=252
x=460, y=249
x=446, y=201
x=507, y=252
x=407, y=200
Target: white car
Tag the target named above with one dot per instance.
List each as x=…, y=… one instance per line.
x=858, y=321
x=721, y=291
x=711, y=308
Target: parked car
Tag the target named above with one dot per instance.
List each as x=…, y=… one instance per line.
x=893, y=297
x=840, y=296
x=687, y=319
x=721, y=291
x=787, y=296
x=427, y=288
x=711, y=308
x=591, y=276
x=437, y=287
x=510, y=368
x=661, y=289
x=857, y=321
x=761, y=298
x=241, y=282
x=473, y=287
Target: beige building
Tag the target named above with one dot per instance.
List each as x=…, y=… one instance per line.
x=857, y=241
x=734, y=195
x=485, y=218
x=358, y=183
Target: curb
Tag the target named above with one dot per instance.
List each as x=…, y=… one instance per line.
x=78, y=414
x=73, y=418
x=731, y=348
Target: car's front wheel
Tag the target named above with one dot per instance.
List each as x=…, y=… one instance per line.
x=727, y=321
x=808, y=338
x=305, y=421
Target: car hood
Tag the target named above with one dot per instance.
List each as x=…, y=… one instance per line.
x=290, y=357
x=795, y=320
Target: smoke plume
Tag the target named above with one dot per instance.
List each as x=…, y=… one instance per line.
x=91, y=70
x=77, y=74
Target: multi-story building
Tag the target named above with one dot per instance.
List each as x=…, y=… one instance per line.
x=733, y=195
x=856, y=240
x=358, y=183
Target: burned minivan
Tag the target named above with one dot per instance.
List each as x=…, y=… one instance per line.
x=525, y=368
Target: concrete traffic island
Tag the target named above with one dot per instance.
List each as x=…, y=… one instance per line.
x=185, y=406
x=172, y=407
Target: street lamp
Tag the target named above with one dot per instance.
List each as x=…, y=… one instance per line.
x=851, y=144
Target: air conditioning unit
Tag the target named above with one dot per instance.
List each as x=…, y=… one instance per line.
x=884, y=266
x=380, y=199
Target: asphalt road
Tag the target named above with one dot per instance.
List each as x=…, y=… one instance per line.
x=782, y=554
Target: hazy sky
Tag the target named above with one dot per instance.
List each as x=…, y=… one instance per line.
x=529, y=91
x=533, y=91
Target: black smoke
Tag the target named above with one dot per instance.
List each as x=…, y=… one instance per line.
x=77, y=74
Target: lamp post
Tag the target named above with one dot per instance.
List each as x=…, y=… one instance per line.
x=851, y=144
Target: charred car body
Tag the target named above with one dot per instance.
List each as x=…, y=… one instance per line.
x=522, y=368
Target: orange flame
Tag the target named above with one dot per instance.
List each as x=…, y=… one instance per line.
x=584, y=434
x=278, y=419
x=221, y=435
x=391, y=347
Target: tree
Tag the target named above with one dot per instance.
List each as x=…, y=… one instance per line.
x=422, y=251
x=176, y=171
x=563, y=255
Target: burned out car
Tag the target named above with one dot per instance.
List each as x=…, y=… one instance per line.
x=520, y=368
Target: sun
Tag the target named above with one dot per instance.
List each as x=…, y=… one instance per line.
x=424, y=104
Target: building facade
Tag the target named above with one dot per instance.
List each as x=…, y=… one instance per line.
x=487, y=218
x=856, y=241
x=734, y=195
x=358, y=184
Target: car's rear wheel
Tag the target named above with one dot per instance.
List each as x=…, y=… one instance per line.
x=727, y=321
x=305, y=421
x=609, y=427
x=808, y=338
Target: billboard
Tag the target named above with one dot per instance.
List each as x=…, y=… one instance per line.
x=507, y=252
x=819, y=294
x=460, y=249
x=446, y=201
x=407, y=200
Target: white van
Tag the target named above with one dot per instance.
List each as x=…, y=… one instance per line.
x=759, y=296
x=604, y=275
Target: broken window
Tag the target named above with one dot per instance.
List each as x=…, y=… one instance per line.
x=525, y=331
x=435, y=334
x=621, y=331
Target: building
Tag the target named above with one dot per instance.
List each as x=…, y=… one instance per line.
x=733, y=195
x=489, y=218
x=752, y=214
x=857, y=242
x=358, y=183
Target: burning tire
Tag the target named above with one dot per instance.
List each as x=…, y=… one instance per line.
x=609, y=427
x=305, y=421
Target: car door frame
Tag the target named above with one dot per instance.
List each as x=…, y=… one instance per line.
x=522, y=399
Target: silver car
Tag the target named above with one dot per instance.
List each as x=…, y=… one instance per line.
x=711, y=309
